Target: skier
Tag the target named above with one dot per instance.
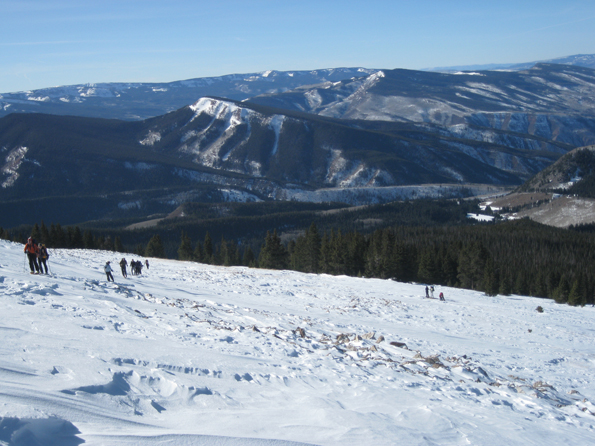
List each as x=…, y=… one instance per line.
x=31, y=251
x=427, y=292
x=147, y=263
x=108, y=271
x=42, y=256
x=123, y=265
x=442, y=297
x=432, y=291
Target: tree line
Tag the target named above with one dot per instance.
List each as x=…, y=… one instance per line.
x=519, y=257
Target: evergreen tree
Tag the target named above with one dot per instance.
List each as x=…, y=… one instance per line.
x=405, y=263
x=108, y=244
x=140, y=249
x=155, y=247
x=236, y=255
x=325, y=254
x=521, y=285
x=428, y=270
x=273, y=254
x=199, y=253
x=578, y=293
x=88, y=241
x=563, y=290
x=36, y=233
x=388, y=264
x=118, y=247
x=472, y=261
x=224, y=253
x=76, y=240
x=449, y=268
x=355, y=262
x=491, y=283
x=185, y=251
x=208, y=249
x=505, y=288
x=313, y=242
x=44, y=233
x=58, y=236
x=249, y=258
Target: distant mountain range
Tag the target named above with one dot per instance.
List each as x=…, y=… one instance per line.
x=349, y=135
x=580, y=60
x=137, y=101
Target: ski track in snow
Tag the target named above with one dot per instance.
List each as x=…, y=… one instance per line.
x=197, y=354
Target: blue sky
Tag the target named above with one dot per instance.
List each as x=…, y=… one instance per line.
x=46, y=43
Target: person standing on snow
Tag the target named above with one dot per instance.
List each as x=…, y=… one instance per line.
x=427, y=292
x=442, y=296
x=42, y=256
x=31, y=250
x=123, y=264
x=147, y=263
x=108, y=271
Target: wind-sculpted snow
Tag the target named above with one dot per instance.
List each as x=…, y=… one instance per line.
x=196, y=354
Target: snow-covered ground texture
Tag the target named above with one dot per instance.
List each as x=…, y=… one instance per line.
x=204, y=355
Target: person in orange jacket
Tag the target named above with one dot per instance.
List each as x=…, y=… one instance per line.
x=31, y=250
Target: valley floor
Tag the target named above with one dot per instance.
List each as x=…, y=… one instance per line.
x=204, y=355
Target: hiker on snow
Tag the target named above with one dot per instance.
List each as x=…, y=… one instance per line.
x=427, y=292
x=108, y=271
x=42, y=256
x=123, y=265
x=147, y=263
x=442, y=296
x=31, y=251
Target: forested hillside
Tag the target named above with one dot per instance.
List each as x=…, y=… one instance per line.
x=518, y=257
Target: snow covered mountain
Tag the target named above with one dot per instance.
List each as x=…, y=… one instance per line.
x=194, y=354
x=353, y=140
x=134, y=101
x=553, y=102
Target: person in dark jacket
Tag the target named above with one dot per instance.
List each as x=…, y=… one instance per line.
x=31, y=250
x=42, y=257
x=123, y=264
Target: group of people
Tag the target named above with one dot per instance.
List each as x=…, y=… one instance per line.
x=430, y=293
x=37, y=255
x=136, y=268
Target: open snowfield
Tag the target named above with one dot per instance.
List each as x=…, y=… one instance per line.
x=190, y=354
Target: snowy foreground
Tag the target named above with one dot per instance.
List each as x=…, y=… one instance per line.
x=190, y=354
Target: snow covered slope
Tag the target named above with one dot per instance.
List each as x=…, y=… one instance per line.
x=195, y=354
